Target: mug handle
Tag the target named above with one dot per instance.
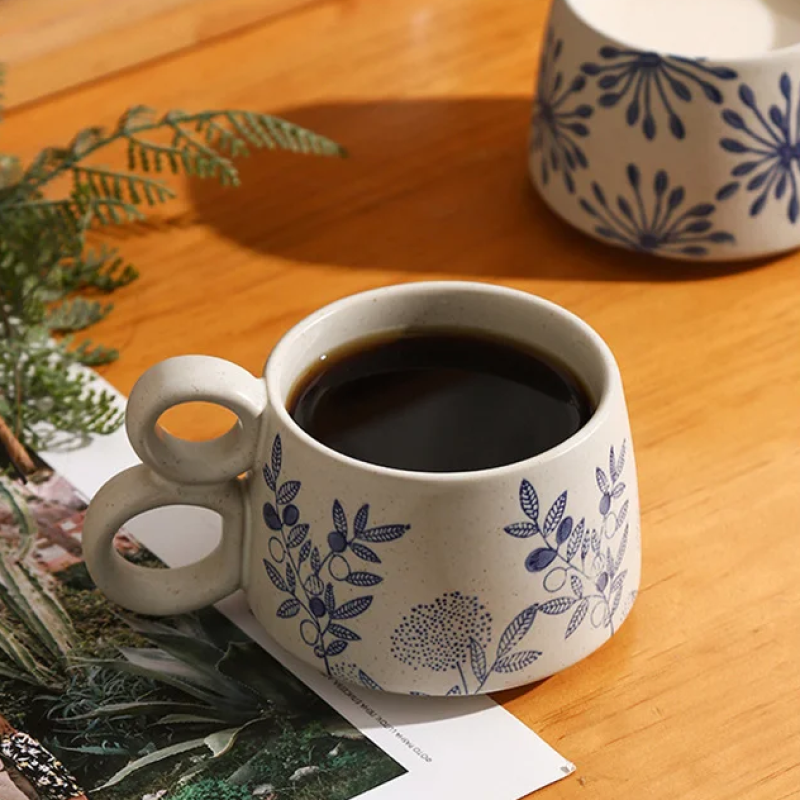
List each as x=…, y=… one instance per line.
x=178, y=472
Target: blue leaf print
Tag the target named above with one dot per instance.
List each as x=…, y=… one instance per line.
x=316, y=562
x=618, y=491
x=368, y=682
x=455, y=690
x=360, y=521
x=353, y=608
x=578, y=616
x=586, y=544
x=516, y=661
x=276, y=458
x=558, y=605
x=314, y=585
x=577, y=586
x=602, y=480
x=330, y=599
x=275, y=576
x=305, y=552
x=363, y=579
x=291, y=582
x=339, y=518
x=289, y=608
x=297, y=535
x=516, y=630
x=529, y=501
x=575, y=539
x=336, y=648
x=610, y=563
x=622, y=515
x=596, y=542
x=364, y=552
x=477, y=659
x=269, y=478
x=555, y=513
x=602, y=582
x=288, y=491
x=383, y=533
x=621, y=552
x=271, y=517
x=564, y=530
x=522, y=530
x=340, y=632
x=540, y=559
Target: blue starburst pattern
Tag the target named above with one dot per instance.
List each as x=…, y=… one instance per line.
x=659, y=226
x=769, y=146
x=578, y=563
x=558, y=120
x=648, y=80
x=312, y=578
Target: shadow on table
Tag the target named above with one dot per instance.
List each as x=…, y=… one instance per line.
x=432, y=186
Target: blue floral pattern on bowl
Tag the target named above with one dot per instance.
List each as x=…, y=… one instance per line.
x=768, y=143
x=559, y=122
x=647, y=80
x=658, y=225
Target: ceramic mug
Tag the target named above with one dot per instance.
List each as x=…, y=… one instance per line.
x=672, y=127
x=411, y=582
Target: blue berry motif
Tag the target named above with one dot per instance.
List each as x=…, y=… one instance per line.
x=647, y=80
x=558, y=122
x=768, y=144
x=657, y=226
x=579, y=563
x=310, y=579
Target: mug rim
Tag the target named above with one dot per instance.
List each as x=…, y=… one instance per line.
x=610, y=370
x=759, y=58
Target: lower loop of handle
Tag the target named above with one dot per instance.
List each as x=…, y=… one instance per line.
x=161, y=592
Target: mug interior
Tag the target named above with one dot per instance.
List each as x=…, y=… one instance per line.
x=480, y=308
x=720, y=29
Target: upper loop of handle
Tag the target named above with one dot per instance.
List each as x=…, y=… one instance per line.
x=185, y=379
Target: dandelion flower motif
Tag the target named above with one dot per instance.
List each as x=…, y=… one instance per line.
x=557, y=125
x=659, y=227
x=770, y=149
x=648, y=80
x=437, y=635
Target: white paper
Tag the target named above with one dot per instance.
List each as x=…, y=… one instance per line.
x=466, y=748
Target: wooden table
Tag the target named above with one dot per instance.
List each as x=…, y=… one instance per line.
x=699, y=694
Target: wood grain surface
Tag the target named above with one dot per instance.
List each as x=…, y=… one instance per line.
x=698, y=696
x=51, y=45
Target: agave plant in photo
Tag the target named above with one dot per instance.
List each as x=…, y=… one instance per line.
x=226, y=689
x=36, y=633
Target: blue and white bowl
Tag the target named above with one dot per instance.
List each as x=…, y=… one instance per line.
x=682, y=156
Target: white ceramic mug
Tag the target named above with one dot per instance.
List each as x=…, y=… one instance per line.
x=672, y=127
x=430, y=583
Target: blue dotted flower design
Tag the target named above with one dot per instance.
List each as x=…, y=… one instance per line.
x=452, y=634
x=578, y=563
x=769, y=146
x=649, y=80
x=558, y=122
x=309, y=579
x=659, y=226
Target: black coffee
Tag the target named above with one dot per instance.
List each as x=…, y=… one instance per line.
x=444, y=401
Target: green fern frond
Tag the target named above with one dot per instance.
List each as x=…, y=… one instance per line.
x=104, y=182
x=75, y=315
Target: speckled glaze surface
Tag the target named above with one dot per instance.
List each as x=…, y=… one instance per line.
x=682, y=157
x=440, y=584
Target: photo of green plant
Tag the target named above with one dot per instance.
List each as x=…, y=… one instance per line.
x=96, y=703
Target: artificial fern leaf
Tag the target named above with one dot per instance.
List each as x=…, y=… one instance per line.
x=104, y=182
x=75, y=315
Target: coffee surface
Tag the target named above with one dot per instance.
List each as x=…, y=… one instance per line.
x=439, y=401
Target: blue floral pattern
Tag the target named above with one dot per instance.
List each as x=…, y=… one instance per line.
x=558, y=124
x=769, y=146
x=659, y=226
x=309, y=579
x=648, y=80
x=580, y=564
